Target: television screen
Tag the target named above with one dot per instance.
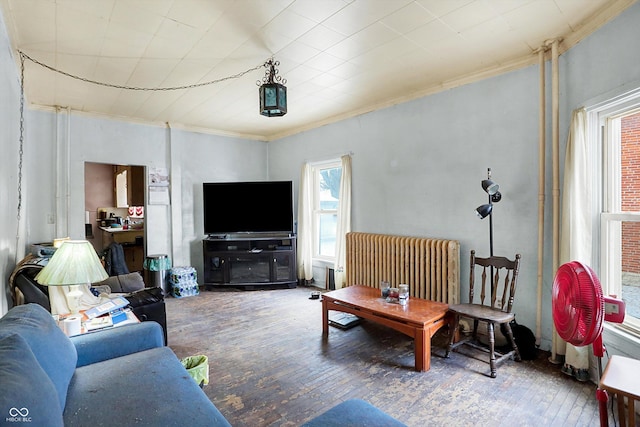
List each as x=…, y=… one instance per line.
x=248, y=207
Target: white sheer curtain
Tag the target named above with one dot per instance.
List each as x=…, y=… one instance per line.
x=344, y=222
x=305, y=227
x=576, y=226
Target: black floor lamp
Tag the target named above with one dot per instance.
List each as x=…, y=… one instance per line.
x=491, y=188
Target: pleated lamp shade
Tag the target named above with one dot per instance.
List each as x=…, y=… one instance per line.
x=73, y=263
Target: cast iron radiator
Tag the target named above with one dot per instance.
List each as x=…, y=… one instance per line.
x=431, y=267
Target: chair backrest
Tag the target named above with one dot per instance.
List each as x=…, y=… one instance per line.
x=495, y=291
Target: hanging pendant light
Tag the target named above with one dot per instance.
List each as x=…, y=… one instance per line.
x=273, y=92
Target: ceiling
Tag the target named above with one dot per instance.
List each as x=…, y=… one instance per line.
x=340, y=58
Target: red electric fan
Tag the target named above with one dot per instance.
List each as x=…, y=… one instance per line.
x=579, y=308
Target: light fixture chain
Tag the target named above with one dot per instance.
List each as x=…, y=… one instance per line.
x=159, y=89
x=21, y=146
x=20, y=155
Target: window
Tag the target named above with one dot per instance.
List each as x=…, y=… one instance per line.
x=619, y=130
x=326, y=194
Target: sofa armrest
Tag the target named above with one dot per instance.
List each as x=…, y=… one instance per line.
x=117, y=341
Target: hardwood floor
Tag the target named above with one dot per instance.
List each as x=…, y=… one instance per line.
x=269, y=366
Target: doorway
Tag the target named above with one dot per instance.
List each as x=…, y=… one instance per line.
x=115, y=209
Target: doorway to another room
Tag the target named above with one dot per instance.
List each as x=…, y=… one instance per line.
x=115, y=209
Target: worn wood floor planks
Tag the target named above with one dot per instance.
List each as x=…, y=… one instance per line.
x=269, y=366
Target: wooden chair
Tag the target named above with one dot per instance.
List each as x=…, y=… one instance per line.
x=621, y=378
x=493, y=307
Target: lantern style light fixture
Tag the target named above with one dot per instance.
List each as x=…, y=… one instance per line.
x=273, y=92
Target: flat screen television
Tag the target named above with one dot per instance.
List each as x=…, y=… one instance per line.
x=248, y=207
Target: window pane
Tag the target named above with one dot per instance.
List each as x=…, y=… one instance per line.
x=327, y=237
x=630, y=201
x=329, y=188
x=631, y=267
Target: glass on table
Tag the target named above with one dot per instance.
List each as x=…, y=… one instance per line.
x=403, y=293
x=384, y=288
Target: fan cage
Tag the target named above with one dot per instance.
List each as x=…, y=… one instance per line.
x=578, y=304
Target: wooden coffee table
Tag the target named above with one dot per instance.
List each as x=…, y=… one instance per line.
x=419, y=319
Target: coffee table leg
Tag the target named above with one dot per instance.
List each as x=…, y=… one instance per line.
x=325, y=318
x=422, y=343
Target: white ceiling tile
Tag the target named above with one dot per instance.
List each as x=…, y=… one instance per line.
x=345, y=70
x=289, y=24
x=408, y=18
x=150, y=73
x=326, y=80
x=387, y=52
x=301, y=74
x=324, y=62
x=320, y=37
x=431, y=33
x=198, y=14
x=114, y=70
x=504, y=6
x=360, y=14
x=549, y=22
x=316, y=10
x=295, y=53
x=362, y=41
x=221, y=40
x=135, y=16
x=188, y=72
x=469, y=15
x=124, y=42
x=80, y=66
x=440, y=8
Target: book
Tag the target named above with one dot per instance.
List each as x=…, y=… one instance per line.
x=343, y=320
x=106, y=307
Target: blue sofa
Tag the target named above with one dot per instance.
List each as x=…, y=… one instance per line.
x=120, y=376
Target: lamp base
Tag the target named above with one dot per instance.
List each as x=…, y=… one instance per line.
x=73, y=298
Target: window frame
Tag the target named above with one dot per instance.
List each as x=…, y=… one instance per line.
x=317, y=212
x=605, y=131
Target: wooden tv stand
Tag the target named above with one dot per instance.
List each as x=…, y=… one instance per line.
x=250, y=261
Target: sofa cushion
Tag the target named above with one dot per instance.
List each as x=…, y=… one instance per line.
x=129, y=282
x=27, y=395
x=51, y=347
x=149, y=388
x=354, y=413
x=116, y=342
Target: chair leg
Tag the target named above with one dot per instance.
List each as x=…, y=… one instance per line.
x=492, y=353
x=512, y=341
x=474, y=335
x=454, y=328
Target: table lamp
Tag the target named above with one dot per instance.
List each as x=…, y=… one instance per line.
x=76, y=265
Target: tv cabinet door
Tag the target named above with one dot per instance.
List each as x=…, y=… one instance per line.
x=283, y=267
x=215, y=269
x=249, y=268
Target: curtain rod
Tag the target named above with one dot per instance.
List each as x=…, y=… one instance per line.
x=329, y=157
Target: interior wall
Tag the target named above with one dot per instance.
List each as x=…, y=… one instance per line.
x=9, y=145
x=218, y=159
